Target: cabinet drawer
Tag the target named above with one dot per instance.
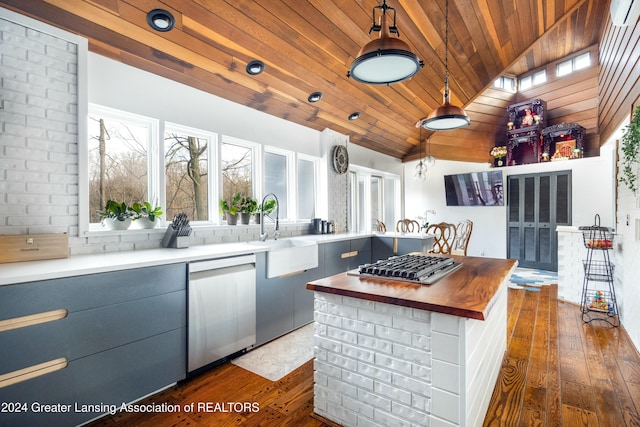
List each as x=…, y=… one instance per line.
x=122, y=374
x=90, y=291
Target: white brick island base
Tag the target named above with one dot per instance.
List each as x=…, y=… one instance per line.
x=379, y=364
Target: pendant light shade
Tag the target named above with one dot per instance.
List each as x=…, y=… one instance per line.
x=446, y=116
x=385, y=60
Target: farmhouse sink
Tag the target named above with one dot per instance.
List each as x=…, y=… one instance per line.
x=288, y=256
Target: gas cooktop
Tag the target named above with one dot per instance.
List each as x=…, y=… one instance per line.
x=423, y=269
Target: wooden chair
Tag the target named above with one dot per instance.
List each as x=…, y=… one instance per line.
x=463, y=234
x=408, y=226
x=380, y=227
x=444, y=236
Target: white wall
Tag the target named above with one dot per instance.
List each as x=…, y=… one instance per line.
x=626, y=254
x=592, y=183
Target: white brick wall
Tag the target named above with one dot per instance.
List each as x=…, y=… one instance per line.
x=336, y=184
x=38, y=132
x=386, y=365
x=367, y=372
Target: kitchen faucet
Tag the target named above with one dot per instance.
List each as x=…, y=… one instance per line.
x=276, y=233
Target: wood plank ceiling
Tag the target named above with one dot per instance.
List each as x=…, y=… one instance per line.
x=308, y=46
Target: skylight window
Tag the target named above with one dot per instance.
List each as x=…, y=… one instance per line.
x=506, y=83
x=576, y=63
x=532, y=80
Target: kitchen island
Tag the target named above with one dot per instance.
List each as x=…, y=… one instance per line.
x=398, y=353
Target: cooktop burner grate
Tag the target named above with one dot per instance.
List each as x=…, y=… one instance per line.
x=422, y=269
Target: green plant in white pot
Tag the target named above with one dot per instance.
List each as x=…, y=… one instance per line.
x=229, y=209
x=630, y=150
x=248, y=207
x=146, y=215
x=116, y=216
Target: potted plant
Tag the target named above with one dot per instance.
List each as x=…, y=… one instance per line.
x=248, y=207
x=229, y=209
x=630, y=150
x=116, y=216
x=145, y=214
x=268, y=207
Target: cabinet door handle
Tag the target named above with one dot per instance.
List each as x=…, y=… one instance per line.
x=34, y=371
x=32, y=319
x=349, y=254
x=395, y=245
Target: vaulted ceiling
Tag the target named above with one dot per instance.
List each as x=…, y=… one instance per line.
x=308, y=46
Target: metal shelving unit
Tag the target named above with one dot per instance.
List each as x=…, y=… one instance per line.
x=598, y=293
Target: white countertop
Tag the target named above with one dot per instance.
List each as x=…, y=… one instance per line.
x=77, y=265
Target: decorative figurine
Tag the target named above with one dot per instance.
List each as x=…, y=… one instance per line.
x=527, y=120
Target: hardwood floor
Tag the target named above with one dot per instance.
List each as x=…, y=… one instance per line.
x=558, y=371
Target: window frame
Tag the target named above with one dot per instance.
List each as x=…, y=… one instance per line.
x=212, y=178
x=289, y=181
x=152, y=152
x=362, y=174
x=315, y=161
x=256, y=166
x=156, y=167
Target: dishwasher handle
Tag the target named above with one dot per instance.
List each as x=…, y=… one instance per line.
x=214, y=264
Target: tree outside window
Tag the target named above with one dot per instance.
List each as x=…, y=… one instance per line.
x=118, y=159
x=186, y=175
x=237, y=170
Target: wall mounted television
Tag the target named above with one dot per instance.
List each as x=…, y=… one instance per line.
x=474, y=189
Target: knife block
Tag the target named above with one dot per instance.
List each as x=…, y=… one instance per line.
x=172, y=240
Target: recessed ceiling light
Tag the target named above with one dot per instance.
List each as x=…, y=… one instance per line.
x=315, y=97
x=354, y=116
x=160, y=20
x=255, y=67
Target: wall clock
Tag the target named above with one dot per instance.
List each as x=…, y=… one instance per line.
x=340, y=159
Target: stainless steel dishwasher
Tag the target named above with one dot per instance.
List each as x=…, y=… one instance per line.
x=222, y=308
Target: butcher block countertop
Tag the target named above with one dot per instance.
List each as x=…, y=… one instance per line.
x=467, y=292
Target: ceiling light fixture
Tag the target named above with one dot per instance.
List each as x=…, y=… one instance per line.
x=354, y=116
x=385, y=60
x=160, y=20
x=315, y=97
x=255, y=67
x=446, y=116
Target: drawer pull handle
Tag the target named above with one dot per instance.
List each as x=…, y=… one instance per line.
x=32, y=319
x=349, y=254
x=34, y=371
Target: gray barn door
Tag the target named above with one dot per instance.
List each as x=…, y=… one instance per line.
x=536, y=204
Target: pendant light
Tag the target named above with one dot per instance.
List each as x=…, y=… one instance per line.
x=420, y=172
x=385, y=60
x=446, y=116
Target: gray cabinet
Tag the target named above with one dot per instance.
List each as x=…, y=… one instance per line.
x=346, y=255
x=383, y=247
x=282, y=303
x=124, y=336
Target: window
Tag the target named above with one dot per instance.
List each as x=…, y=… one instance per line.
x=237, y=164
x=275, y=179
x=186, y=172
x=506, y=83
x=373, y=195
x=132, y=158
x=306, y=188
x=376, y=201
x=118, y=158
x=576, y=63
x=532, y=80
